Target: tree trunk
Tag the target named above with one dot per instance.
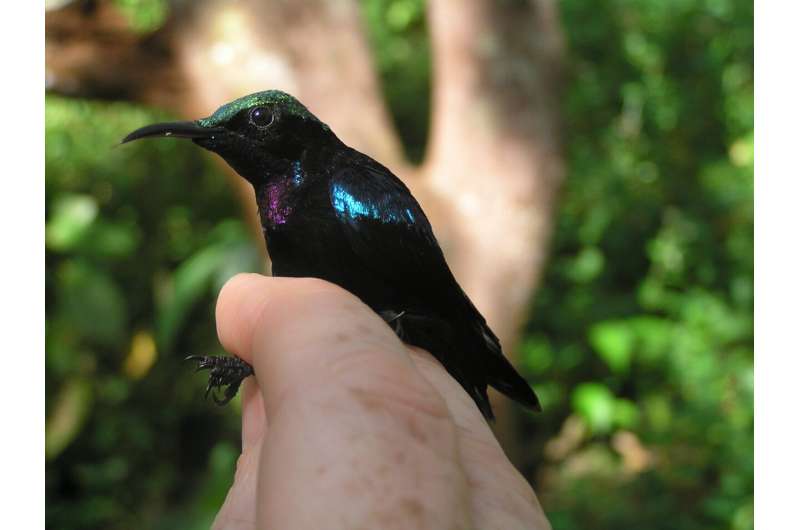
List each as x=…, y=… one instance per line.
x=489, y=180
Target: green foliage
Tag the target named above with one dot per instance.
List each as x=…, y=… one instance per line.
x=144, y=15
x=139, y=240
x=641, y=340
x=644, y=315
x=398, y=32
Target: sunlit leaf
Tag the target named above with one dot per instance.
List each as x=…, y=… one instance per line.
x=653, y=337
x=626, y=413
x=68, y=415
x=536, y=354
x=658, y=412
x=71, y=218
x=613, y=341
x=595, y=403
x=144, y=15
x=141, y=356
x=586, y=266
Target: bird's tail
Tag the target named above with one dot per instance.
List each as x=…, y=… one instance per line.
x=474, y=360
x=502, y=375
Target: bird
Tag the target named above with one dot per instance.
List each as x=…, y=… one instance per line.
x=329, y=211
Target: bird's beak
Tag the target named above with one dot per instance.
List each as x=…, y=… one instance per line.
x=178, y=129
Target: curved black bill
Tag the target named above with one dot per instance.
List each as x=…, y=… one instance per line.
x=178, y=129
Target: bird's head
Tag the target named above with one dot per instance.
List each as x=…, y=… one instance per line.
x=256, y=134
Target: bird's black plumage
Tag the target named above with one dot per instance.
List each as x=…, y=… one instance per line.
x=331, y=212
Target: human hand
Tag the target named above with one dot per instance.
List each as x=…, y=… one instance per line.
x=346, y=427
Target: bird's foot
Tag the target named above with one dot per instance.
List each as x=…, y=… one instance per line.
x=395, y=320
x=228, y=372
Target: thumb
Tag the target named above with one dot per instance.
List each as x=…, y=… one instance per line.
x=299, y=331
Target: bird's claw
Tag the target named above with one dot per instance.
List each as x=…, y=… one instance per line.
x=225, y=372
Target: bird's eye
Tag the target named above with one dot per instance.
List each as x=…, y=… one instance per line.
x=261, y=117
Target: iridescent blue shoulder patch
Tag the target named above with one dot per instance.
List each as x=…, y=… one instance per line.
x=381, y=208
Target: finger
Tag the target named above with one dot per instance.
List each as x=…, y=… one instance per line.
x=237, y=312
x=352, y=424
x=238, y=512
x=254, y=420
x=500, y=497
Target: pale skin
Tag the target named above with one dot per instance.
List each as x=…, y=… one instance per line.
x=347, y=428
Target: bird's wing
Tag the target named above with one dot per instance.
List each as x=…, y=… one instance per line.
x=393, y=240
x=385, y=226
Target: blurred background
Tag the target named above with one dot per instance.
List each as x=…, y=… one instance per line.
x=611, y=141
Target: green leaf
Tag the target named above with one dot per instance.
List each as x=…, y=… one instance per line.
x=653, y=337
x=69, y=414
x=110, y=240
x=189, y=283
x=144, y=15
x=230, y=253
x=596, y=404
x=586, y=266
x=613, y=340
x=71, y=218
x=658, y=412
x=536, y=355
x=742, y=151
x=93, y=303
x=626, y=414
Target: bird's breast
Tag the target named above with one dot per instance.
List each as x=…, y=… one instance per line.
x=274, y=206
x=276, y=200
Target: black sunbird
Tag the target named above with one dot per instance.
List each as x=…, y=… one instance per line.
x=331, y=212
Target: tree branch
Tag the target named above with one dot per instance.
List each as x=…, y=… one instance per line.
x=494, y=163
